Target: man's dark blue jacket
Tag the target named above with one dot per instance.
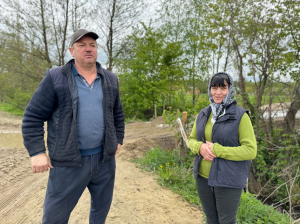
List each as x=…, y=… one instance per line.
x=56, y=101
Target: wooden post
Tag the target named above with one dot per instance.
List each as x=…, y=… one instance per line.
x=184, y=117
x=155, y=114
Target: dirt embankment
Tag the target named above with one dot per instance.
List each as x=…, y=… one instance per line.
x=137, y=196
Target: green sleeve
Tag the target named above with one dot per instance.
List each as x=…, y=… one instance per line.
x=194, y=144
x=248, y=148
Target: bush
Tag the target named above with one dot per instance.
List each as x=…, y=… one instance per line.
x=252, y=210
x=179, y=178
x=276, y=164
x=11, y=109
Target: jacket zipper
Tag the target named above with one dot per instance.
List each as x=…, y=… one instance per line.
x=75, y=119
x=103, y=103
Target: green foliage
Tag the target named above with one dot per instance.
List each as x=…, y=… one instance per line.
x=171, y=172
x=178, y=177
x=21, y=70
x=265, y=99
x=278, y=165
x=9, y=108
x=170, y=116
x=156, y=158
x=147, y=74
x=253, y=211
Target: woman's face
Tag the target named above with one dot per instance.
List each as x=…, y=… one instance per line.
x=218, y=93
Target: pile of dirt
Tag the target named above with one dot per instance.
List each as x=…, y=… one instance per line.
x=140, y=137
x=139, y=147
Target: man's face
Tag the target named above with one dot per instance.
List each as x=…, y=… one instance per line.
x=84, y=50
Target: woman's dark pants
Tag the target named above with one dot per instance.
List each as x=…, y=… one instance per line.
x=66, y=185
x=220, y=204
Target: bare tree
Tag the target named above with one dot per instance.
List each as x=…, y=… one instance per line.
x=43, y=24
x=114, y=19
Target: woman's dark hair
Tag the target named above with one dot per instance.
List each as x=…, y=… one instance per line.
x=219, y=79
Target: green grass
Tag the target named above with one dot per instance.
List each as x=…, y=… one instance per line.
x=178, y=177
x=171, y=173
x=11, y=109
x=265, y=99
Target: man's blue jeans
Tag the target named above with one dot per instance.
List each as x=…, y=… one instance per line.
x=66, y=185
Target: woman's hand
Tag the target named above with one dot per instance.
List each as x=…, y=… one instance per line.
x=210, y=145
x=206, y=152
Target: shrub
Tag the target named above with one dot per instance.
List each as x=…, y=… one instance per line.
x=252, y=211
x=179, y=178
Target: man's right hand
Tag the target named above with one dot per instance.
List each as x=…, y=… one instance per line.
x=40, y=163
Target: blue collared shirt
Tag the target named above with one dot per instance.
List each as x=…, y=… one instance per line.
x=90, y=120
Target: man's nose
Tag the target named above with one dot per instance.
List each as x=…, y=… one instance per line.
x=88, y=48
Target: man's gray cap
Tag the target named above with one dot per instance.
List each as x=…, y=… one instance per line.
x=80, y=33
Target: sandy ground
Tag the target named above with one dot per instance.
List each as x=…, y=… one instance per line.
x=137, y=196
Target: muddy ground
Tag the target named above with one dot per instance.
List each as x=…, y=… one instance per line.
x=137, y=196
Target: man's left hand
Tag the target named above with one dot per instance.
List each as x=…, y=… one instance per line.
x=118, y=149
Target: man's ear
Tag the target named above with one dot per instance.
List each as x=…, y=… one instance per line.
x=71, y=51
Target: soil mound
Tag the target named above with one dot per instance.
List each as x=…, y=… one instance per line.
x=139, y=147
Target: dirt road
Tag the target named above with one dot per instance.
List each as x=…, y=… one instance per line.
x=137, y=196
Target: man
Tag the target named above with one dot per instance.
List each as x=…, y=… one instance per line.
x=85, y=123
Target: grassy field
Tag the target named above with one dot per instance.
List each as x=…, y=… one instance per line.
x=11, y=109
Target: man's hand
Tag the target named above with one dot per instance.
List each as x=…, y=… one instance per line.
x=40, y=163
x=118, y=149
x=206, y=152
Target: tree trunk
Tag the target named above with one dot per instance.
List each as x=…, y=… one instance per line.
x=110, y=38
x=170, y=95
x=65, y=34
x=241, y=83
x=270, y=123
x=290, y=118
x=227, y=56
x=194, y=94
x=47, y=57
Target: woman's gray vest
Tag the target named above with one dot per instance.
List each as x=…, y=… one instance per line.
x=223, y=173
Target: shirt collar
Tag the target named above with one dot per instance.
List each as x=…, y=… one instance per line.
x=75, y=72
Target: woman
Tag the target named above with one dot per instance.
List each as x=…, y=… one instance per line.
x=223, y=142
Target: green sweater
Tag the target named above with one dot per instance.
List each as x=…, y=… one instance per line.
x=247, y=150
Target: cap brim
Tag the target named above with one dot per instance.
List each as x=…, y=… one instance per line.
x=89, y=34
